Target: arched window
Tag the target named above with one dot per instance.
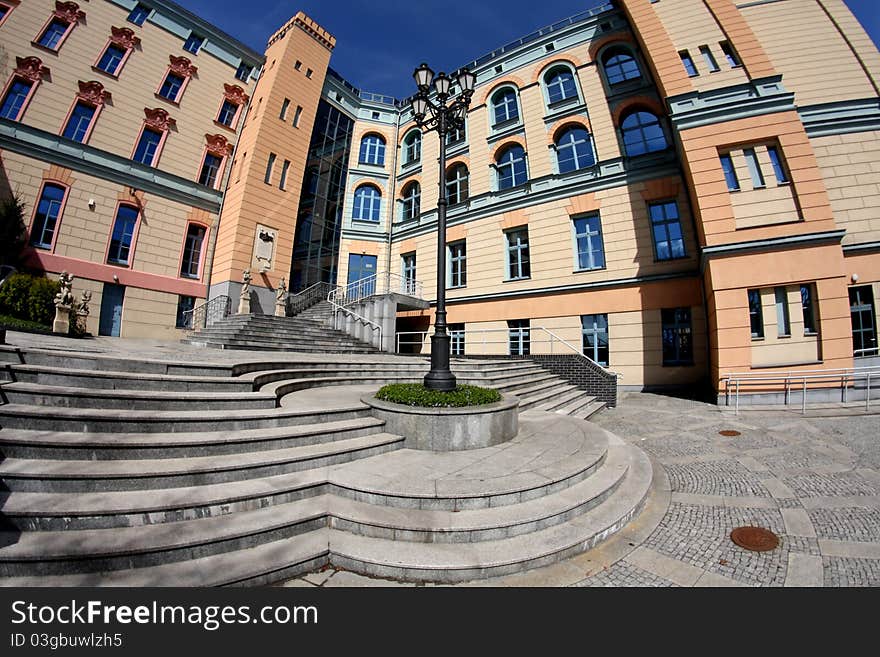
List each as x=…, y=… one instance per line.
x=560, y=84
x=574, y=149
x=412, y=199
x=366, y=203
x=642, y=133
x=620, y=66
x=457, y=184
x=504, y=106
x=511, y=166
x=372, y=150
x=412, y=147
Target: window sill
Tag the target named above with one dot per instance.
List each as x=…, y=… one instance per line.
x=114, y=76
x=176, y=102
x=811, y=334
x=757, y=338
x=505, y=130
x=54, y=51
x=672, y=259
x=784, y=336
x=118, y=263
x=513, y=280
x=586, y=270
x=224, y=126
x=371, y=222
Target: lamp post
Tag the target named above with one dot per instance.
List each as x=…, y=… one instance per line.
x=443, y=114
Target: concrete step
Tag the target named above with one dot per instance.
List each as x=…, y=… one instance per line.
x=565, y=400
x=527, y=383
x=576, y=406
x=595, y=407
x=248, y=345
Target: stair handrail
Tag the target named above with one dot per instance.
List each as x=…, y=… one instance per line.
x=198, y=316
x=338, y=308
x=308, y=297
x=381, y=283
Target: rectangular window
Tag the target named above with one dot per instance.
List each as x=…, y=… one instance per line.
x=14, y=100
x=688, y=63
x=807, y=307
x=756, y=314
x=298, y=65
x=284, y=105
x=709, y=58
x=729, y=172
x=456, y=335
x=730, y=54
x=192, y=251
x=778, y=168
x=296, y=116
x=666, y=230
x=783, y=324
x=862, y=316
x=284, y=167
x=588, y=241
x=4, y=12
x=271, y=163
x=53, y=34
x=148, y=147
x=210, y=170
x=518, y=254
x=78, y=124
x=754, y=168
x=408, y=266
x=139, y=14
x=111, y=59
x=184, y=312
x=193, y=43
x=244, y=72
x=594, y=332
x=171, y=87
x=457, y=264
x=123, y=232
x=228, y=111
x=518, y=337
x=47, y=216
x=309, y=73
x=678, y=347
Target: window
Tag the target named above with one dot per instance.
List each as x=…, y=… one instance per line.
x=123, y=231
x=455, y=135
x=412, y=147
x=678, y=348
x=244, y=72
x=518, y=337
x=412, y=196
x=504, y=106
x=756, y=314
x=560, y=85
x=408, y=266
x=298, y=65
x=366, y=203
x=729, y=54
x=666, y=230
x=171, y=87
x=284, y=167
x=862, y=316
x=729, y=172
x=185, y=304
x=783, y=324
x=147, y=148
x=372, y=150
x=4, y=12
x=518, y=254
x=620, y=66
x=642, y=133
x=270, y=163
x=47, y=215
x=14, y=100
x=588, y=241
x=192, y=251
x=457, y=272
x=53, y=34
x=228, y=112
x=309, y=73
x=78, y=124
x=688, y=63
x=457, y=184
x=808, y=309
x=709, y=58
x=456, y=335
x=139, y=14
x=297, y=115
x=754, y=168
x=210, y=169
x=511, y=167
x=594, y=335
x=283, y=113
x=574, y=150
x=778, y=168
x=193, y=43
x=111, y=60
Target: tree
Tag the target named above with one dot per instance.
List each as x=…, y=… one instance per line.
x=12, y=230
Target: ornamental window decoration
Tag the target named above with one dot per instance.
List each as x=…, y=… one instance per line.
x=68, y=11
x=93, y=93
x=30, y=69
x=158, y=119
x=233, y=93
x=182, y=66
x=124, y=38
x=218, y=145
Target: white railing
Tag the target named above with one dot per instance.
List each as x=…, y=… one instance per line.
x=308, y=297
x=207, y=313
x=340, y=310
x=382, y=283
x=802, y=380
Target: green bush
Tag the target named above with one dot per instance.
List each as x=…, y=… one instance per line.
x=15, y=324
x=29, y=298
x=415, y=394
x=41, y=300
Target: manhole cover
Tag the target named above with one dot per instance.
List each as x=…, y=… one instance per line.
x=756, y=539
x=729, y=432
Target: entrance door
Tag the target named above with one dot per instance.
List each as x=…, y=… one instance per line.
x=362, y=268
x=864, y=330
x=111, y=310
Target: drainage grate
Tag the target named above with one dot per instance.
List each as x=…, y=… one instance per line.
x=729, y=432
x=756, y=539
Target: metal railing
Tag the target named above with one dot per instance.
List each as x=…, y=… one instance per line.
x=308, y=297
x=382, y=283
x=736, y=383
x=207, y=313
x=340, y=311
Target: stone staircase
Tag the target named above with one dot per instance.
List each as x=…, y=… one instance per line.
x=139, y=472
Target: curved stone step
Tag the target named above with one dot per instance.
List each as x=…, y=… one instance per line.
x=566, y=399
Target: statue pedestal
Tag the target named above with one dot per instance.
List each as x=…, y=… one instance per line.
x=62, y=320
x=244, y=306
x=280, y=309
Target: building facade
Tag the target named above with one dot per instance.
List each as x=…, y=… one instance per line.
x=678, y=188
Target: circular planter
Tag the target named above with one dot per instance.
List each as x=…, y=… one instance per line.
x=449, y=429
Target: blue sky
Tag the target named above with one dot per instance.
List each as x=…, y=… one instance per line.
x=380, y=43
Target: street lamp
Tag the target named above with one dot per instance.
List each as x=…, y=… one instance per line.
x=443, y=114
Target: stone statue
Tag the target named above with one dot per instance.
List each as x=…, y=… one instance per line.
x=82, y=310
x=281, y=299
x=63, y=304
x=244, y=299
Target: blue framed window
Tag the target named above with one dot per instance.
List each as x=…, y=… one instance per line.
x=270, y=164
x=457, y=269
x=807, y=307
x=408, y=266
x=171, y=87
x=666, y=230
x=594, y=336
x=518, y=337
x=678, y=343
x=511, y=167
x=574, y=150
x=756, y=314
x=4, y=9
x=620, y=66
x=372, y=150
x=192, y=251
x=588, y=241
x=504, y=107
x=47, y=215
x=457, y=183
x=13, y=101
x=367, y=200
x=560, y=85
x=210, y=169
x=518, y=263
x=412, y=198
x=123, y=232
x=244, y=72
x=193, y=43
x=79, y=121
x=642, y=134
x=111, y=59
x=729, y=172
x=709, y=58
x=227, y=113
x=688, y=63
x=456, y=339
x=147, y=147
x=139, y=14
x=729, y=54
x=778, y=168
x=754, y=168
x=412, y=147
x=52, y=35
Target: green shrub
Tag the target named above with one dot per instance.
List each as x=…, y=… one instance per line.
x=29, y=298
x=14, y=295
x=41, y=300
x=15, y=324
x=415, y=394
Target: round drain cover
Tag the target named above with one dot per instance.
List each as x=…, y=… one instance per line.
x=756, y=539
x=729, y=432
